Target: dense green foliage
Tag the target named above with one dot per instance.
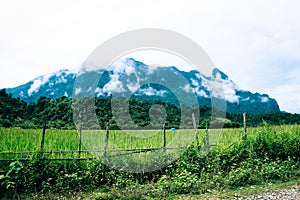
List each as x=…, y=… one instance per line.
x=269, y=154
x=59, y=114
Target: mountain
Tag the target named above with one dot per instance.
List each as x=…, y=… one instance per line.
x=133, y=79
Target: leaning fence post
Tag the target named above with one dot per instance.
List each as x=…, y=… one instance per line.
x=195, y=129
x=164, y=137
x=245, y=127
x=106, y=139
x=43, y=135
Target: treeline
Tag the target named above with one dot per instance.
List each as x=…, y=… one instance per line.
x=58, y=114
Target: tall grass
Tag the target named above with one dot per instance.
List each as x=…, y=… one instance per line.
x=270, y=153
x=29, y=140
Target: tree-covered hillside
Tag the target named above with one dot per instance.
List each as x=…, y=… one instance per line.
x=58, y=114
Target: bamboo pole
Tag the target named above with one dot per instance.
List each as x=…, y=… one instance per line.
x=164, y=137
x=195, y=130
x=245, y=127
x=131, y=142
x=43, y=135
x=80, y=138
x=207, y=145
x=106, y=139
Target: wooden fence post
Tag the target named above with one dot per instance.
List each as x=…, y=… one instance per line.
x=164, y=137
x=80, y=138
x=245, y=127
x=195, y=129
x=207, y=145
x=131, y=143
x=106, y=139
x=43, y=135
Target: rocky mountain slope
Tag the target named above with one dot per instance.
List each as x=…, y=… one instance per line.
x=134, y=79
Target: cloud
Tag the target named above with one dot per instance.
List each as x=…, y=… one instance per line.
x=114, y=84
x=291, y=101
x=150, y=91
x=37, y=83
x=288, y=92
x=77, y=91
x=254, y=42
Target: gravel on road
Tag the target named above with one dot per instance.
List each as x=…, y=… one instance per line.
x=282, y=194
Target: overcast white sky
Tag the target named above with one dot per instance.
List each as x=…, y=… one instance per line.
x=255, y=42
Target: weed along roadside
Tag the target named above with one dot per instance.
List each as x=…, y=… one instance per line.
x=269, y=155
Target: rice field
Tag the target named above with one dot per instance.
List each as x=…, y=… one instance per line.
x=65, y=143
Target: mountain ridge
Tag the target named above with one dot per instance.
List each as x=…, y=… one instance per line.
x=134, y=79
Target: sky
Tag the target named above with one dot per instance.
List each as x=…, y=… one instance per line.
x=255, y=42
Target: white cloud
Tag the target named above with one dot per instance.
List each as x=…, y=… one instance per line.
x=61, y=79
x=114, y=84
x=37, y=83
x=77, y=91
x=288, y=92
x=133, y=86
x=224, y=89
x=195, y=83
x=254, y=42
x=264, y=99
x=89, y=89
x=187, y=88
x=290, y=102
x=150, y=91
x=99, y=91
x=245, y=99
x=218, y=76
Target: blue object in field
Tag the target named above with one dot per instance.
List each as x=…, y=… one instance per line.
x=173, y=129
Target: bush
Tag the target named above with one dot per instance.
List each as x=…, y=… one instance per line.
x=271, y=156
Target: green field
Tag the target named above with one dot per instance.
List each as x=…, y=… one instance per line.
x=269, y=155
x=65, y=143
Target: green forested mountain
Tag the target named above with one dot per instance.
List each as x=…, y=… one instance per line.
x=58, y=114
x=133, y=79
